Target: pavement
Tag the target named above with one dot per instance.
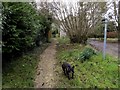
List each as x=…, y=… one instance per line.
x=111, y=48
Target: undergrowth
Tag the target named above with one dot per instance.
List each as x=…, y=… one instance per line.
x=20, y=73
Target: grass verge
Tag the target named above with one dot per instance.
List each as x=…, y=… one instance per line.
x=20, y=73
x=109, y=40
x=94, y=72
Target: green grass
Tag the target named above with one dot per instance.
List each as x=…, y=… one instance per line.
x=112, y=40
x=20, y=73
x=109, y=40
x=63, y=40
x=91, y=73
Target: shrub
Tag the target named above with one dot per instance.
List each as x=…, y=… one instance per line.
x=86, y=54
x=113, y=34
x=64, y=40
x=23, y=28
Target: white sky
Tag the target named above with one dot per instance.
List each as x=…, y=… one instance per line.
x=74, y=0
x=110, y=10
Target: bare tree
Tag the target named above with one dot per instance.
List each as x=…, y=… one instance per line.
x=115, y=6
x=78, y=19
x=113, y=15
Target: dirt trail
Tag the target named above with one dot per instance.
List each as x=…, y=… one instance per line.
x=45, y=76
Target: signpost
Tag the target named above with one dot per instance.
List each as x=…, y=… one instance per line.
x=105, y=36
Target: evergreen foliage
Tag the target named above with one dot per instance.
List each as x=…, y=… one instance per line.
x=23, y=28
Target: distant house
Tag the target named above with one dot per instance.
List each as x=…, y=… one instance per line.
x=62, y=33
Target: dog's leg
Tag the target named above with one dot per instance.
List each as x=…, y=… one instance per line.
x=68, y=75
x=72, y=75
x=63, y=68
x=64, y=72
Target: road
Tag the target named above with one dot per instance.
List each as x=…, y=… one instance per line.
x=111, y=48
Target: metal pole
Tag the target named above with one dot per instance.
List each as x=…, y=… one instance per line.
x=105, y=35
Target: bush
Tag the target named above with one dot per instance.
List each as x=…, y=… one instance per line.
x=113, y=34
x=64, y=40
x=86, y=54
x=23, y=28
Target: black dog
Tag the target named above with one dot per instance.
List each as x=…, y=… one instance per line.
x=67, y=69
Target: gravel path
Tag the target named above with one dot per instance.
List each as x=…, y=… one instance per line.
x=111, y=48
x=45, y=76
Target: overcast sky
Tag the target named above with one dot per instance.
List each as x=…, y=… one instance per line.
x=110, y=10
x=75, y=0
